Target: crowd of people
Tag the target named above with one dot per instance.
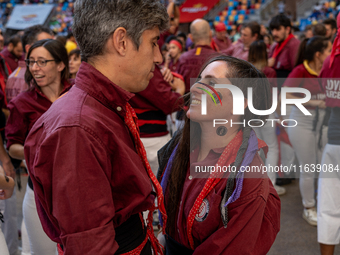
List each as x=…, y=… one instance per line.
x=109, y=124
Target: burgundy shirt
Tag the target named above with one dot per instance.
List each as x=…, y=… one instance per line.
x=254, y=218
x=173, y=66
x=237, y=51
x=88, y=178
x=271, y=75
x=11, y=59
x=287, y=57
x=223, y=44
x=16, y=82
x=301, y=78
x=331, y=86
x=191, y=62
x=25, y=110
x=153, y=105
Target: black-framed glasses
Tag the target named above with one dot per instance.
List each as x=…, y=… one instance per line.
x=40, y=62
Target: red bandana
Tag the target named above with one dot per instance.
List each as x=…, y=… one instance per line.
x=131, y=121
x=227, y=157
x=280, y=47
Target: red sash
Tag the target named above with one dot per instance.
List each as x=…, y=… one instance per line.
x=280, y=47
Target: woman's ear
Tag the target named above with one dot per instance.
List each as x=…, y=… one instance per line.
x=61, y=66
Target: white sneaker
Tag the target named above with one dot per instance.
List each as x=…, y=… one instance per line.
x=280, y=190
x=310, y=216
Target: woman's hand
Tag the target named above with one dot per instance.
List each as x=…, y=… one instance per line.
x=178, y=86
x=318, y=103
x=6, y=185
x=271, y=62
x=167, y=75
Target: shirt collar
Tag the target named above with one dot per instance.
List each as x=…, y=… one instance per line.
x=100, y=87
x=37, y=91
x=309, y=70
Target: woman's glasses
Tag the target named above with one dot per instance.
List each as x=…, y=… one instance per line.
x=40, y=62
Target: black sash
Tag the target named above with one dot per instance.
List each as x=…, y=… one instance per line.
x=174, y=248
x=130, y=235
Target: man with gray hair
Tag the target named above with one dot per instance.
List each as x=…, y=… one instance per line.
x=88, y=166
x=190, y=63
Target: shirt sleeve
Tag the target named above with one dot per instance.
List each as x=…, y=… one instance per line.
x=252, y=227
x=17, y=126
x=159, y=93
x=71, y=172
x=183, y=70
x=295, y=78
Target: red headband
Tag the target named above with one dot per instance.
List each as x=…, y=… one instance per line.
x=179, y=45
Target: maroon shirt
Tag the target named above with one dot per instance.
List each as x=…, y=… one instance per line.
x=254, y=218
x=153, y=105
x=11, y=59
x=237, y=51
x=331, y=86
x=223, y=44
x=301, y=78
x=16, y=82
x=191, y=62
x=173, y=66
x=271, y=75
x=88, y=178
x=287, y=57
x=25, y=110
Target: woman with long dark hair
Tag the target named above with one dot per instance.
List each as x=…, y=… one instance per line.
x=47, y=75
x=212, y=211
x=309, y=137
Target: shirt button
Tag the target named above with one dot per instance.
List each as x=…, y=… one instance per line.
x=119, y=108
x=190, y=177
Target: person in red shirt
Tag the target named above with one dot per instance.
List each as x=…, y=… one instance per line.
x=174, y=53
x=259, y=58
x=191, y=61
x=48, y=74
x=16, y=81
x=211, y=212
x=90, y=136
x=329, y=180
x=14, y=52
x=7, y=185
x=250, y=33
x=74, y=62
x=283, y=53
x=282, y=58
x=308, y=138
x=221, y=39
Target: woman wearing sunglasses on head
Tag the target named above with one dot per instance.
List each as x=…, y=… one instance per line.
x=47, y=76
x=219, y=213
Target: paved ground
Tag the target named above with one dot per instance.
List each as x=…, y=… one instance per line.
x=296, y=236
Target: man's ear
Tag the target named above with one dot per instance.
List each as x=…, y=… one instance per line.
x=27, y=48
x=119, y=41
